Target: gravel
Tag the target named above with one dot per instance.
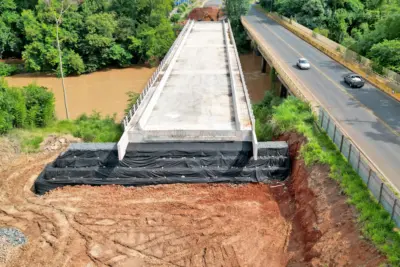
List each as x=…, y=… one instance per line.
x=10, y=239
x=13, y=236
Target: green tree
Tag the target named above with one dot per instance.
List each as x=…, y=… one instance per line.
x=151, y=44
x=10, y=42
x=235, y=9
x=387, y=54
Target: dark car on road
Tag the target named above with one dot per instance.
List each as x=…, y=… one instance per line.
x=354, y=80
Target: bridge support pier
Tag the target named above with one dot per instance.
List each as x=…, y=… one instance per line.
x=284, y=91
x=263, y=65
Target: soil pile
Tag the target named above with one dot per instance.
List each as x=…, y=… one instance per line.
x=206, y=14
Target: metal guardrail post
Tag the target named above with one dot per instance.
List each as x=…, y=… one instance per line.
x=327, y=126
x=322, y=120
x=369, y=177
x=393, y=209
x=334, y=134
x=359, y=161
x=348, y=157
x=341, y=143
x=380, y=193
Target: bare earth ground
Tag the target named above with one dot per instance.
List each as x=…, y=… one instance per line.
x=305, y=222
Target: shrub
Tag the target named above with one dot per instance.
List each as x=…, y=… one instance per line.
x=39, y=105
x=93, y=128
x=175, y=18
x=17, y=106
x=181, y=9
x=31, y=143
x=132, y=98
x=6, y=117
x=321, y=31
x=7, y=69
x=72, y=64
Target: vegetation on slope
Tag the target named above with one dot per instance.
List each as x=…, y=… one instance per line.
x=93, y=33
x=369, y=27
x=295, y=115
x=27, y=115
x=30, y=106
x=235, y=9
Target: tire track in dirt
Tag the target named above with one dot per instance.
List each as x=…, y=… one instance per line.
x=181, y=225
x=111, y=226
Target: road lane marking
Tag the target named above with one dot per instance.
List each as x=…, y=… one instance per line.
x=385, y=177
x=332, y=81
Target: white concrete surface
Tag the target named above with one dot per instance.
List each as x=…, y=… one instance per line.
x=193, y=101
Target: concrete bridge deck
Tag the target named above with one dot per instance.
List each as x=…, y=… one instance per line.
x=370, y=118
x=197, y=94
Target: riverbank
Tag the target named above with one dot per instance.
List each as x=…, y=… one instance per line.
x=106, y=91
x=103, y=91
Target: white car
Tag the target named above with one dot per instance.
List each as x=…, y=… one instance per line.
x=303, y=64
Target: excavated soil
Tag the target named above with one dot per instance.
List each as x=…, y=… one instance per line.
x=206, y=14
x=305, y=222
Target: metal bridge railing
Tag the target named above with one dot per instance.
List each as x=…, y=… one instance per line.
x=155, y=76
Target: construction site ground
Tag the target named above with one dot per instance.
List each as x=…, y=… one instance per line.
x=303, y=222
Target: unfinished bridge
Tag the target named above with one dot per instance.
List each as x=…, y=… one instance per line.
x=198, y=93
x=193, y=123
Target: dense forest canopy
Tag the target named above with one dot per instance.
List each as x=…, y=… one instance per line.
x=93, y=33
x=369, y=27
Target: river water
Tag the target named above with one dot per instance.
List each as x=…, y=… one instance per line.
x=106, y=91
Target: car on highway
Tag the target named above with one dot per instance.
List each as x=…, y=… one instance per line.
x=303, y=64
x=354, y=80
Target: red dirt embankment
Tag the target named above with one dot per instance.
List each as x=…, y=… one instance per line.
x=303, y=222
x=206, y=14
x=324, y=226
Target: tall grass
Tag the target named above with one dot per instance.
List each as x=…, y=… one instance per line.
x=295, y=115
x=91, y=128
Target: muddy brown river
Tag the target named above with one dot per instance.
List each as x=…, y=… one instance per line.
x=106, y=91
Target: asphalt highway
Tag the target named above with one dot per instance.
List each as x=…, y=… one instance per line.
x=369, y=116
x=215, y=3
